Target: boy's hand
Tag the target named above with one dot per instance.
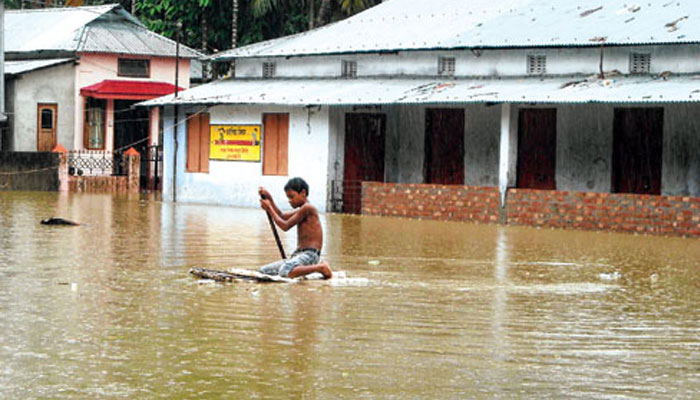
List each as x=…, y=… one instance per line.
x=265, y=204
x=264, y=193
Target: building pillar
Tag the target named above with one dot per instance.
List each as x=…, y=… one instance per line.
x=62, y=167
x=508, y=150
x=133, y=170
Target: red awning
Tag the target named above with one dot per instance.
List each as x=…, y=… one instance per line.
x=128, y=90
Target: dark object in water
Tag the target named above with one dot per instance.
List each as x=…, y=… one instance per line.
x=58, y=221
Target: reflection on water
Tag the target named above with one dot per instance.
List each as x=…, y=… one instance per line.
x=435, y=310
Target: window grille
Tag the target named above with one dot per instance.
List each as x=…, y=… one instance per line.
x=446, y=66
x=536, y=64
x=349, y=69
x=269, y=69
x=640, y=63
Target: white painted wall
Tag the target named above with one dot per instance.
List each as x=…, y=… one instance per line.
x=236, y=183
x=681, y=59
x=48, y=85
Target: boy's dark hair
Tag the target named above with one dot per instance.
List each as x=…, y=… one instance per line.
x=297, y=184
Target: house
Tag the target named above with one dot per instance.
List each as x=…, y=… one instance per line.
x=73, y=74
x=571, y=115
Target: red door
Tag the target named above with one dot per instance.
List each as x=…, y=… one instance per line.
x=444, y=146
x=537, y=148
x=364, y=156
x=637, y=145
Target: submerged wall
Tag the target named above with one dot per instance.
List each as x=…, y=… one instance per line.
x=29, y=171
x=663, y=215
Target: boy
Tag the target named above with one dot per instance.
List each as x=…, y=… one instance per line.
x=305, y=258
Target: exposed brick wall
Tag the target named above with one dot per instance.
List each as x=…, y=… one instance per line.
x=456, y=203
x=665, y=215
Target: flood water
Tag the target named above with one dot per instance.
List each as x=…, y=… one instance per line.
x=428, y=310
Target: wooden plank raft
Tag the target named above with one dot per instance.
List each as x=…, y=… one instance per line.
x=239, y=274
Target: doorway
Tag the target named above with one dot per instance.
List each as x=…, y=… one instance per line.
x=46, y=126
x=637, y=146
x=444, y=146
x=364, y=156
x=537, y=148
x=131, y=129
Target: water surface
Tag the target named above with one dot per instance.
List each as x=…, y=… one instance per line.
x=429, y=310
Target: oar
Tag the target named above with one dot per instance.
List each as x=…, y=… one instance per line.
x=274, y=232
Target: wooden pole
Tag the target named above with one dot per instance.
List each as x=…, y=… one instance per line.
x=274, y=232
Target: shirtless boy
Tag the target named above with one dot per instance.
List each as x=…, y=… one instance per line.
x=306, y=258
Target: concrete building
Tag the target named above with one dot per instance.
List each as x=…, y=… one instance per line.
x=73, y=74
x=527, y=112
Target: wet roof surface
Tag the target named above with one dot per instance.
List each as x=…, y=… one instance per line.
x=104, y=29
x=446, y=24
x=625, y=89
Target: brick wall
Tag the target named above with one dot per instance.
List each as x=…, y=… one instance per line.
x=665, y=215
x=457, y=203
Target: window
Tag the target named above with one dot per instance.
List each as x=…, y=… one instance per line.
x=135, y=68
x=349, y=69
x=95, y=123
x=198, y=142
x=47, y=118
x=640, y=63
x=275, y=144
x=536, y=64
x=446, y=66
x=269, y=69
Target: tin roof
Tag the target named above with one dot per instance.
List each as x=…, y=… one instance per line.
x=24, y=66
x=447, y=24
x=104, y=29
x=374, y=91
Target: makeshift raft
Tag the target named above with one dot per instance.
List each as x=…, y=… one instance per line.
x=239, y=274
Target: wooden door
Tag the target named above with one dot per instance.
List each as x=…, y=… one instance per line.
x=46, y=127
x=444, y=146
x=537, y=148
x=364, y=156
x=637, y=146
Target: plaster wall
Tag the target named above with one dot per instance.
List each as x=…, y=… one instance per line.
x=94, y=68
x=41, y=87
x=680, y=59
x=236, y=183
x=680, y=172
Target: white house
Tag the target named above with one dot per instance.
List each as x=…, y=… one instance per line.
x=73, y=74
x=565, y=102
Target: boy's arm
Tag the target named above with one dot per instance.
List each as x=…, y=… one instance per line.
x=294, y=218
x=266, y=195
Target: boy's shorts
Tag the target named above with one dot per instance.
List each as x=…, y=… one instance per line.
x=299, y=257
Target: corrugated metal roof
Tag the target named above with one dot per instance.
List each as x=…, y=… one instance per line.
x=104, y=29
x=447, y=24
x=21, y=67
x=120, y=38
x=344, y=92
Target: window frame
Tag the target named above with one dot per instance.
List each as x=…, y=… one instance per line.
x=447, y=66
x=94, y=103
x=198, y=143
x=129, y=73
x=275, y=157
x=536, y=64
x=348, y=69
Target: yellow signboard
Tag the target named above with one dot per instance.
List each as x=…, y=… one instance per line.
x=235, y=142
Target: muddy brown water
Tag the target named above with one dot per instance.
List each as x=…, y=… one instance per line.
x=428, y=310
